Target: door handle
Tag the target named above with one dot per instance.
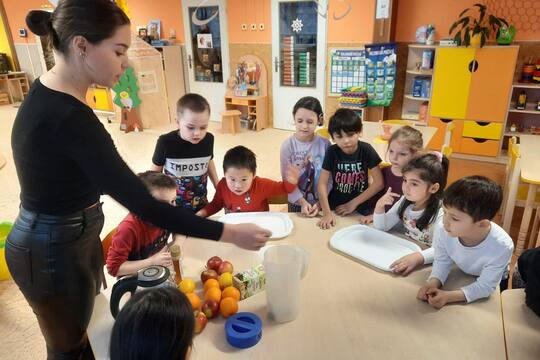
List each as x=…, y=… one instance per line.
x=189, y=61
x=276, y=64
x=473, y=66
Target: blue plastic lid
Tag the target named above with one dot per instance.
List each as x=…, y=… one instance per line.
x=243, y=330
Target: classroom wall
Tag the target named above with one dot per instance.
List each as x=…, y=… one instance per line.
x=524, y=15
x=356, y=26
x=168, y=11
x=16, y=11
x=4, y=42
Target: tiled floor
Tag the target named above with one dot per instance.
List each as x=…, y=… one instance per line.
x=20, y=338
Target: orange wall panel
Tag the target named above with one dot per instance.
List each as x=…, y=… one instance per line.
x=524, y=15
x=249, y=12
x=356, y=26
x=16, y=11
x=168, y=11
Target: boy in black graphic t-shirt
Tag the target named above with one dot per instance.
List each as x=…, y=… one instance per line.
x=347, y=163
x=187, y=153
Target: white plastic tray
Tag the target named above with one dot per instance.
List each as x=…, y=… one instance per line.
x=280, y=224
x=374, y=247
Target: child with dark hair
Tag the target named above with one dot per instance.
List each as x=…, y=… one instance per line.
x=137, y=243
x=305, y=150
x=155, y=324
x=187, y=153
x=470, y=240
x=418, y=209
x=240, y=190
x=346, y=164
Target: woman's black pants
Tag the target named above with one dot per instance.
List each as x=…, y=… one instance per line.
x=57, y=262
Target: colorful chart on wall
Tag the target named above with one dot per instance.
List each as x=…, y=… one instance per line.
x=380, y=73
x=347, y=69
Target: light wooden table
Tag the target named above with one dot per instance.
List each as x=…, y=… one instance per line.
x=372, y=130
x=348, y=311
x=2, y=161
x=521, y=327
x=529, y=146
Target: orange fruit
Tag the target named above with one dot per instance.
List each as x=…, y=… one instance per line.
x=194, y=300
x=210, y=283
x=225, y=280
x=228, y=307
x=187, y=286
x=231, y=292
x=213, y=294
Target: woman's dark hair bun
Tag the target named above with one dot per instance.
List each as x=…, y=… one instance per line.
x=38, y=21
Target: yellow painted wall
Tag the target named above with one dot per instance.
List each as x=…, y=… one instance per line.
x=4, y=43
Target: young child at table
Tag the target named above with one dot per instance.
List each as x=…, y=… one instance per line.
x=240, y=190
x=306, y=150
x=346, y=164
x=470, y=240
x=403, y=145
x=157, y=323
x=187, y=153
x=418, y=209
x=137, y=243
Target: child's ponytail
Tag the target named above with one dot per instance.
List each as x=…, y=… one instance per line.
x=432, y=168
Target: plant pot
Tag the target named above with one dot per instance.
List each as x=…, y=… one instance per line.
x=505, y=35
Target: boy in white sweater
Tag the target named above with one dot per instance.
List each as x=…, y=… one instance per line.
x=471, y=240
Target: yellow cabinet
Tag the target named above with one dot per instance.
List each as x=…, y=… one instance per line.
x=482, y=130
x=99, y=98
x=473, y=83
x=491, y=83
x=451, y=82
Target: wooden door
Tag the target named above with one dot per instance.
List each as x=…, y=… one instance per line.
x=451, y=82
x=491, y=83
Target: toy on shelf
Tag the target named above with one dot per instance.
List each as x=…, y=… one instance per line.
x=536, y=73
x=353, y=97
x=521, y=102
x=247, y=79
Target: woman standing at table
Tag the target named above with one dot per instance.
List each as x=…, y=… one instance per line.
x=65, y=159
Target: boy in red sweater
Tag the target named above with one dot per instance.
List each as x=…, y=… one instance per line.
x=240, y=190
x=136, y=243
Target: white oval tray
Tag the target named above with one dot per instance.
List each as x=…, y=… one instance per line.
x=374, y=247
x=280, y=224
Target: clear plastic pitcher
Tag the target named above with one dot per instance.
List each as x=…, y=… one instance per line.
x=285, y=266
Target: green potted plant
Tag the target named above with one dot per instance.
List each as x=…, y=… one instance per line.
x=475, y=31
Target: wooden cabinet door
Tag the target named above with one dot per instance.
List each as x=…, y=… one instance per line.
x=491, y=83
x=437, y=140
x=451, y=82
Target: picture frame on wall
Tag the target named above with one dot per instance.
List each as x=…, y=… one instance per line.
x=154, y=29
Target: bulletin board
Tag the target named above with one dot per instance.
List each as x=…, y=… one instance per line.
x=347, y=68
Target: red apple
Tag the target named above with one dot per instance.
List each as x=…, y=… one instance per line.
x=208, y=274
x=213, y=263
x=210, y=308
x=225, y=266
x=200, y=322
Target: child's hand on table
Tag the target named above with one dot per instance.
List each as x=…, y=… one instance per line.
x=432, y=283
x=407, y=263
x=437, y=297
x=308, y=209
x=387, y=199
x=347, y=208
x=365, y=220
x=327, y=221
x=163, y=258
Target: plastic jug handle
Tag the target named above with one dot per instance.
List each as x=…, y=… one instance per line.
x=305, y=261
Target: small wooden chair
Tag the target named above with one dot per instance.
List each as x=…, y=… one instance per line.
x=105, y=245
x=446, y=148
x=323, y=132
x=398, y=122
x=230, y=121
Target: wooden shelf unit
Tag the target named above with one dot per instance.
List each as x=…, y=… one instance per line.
x=411, y=104
x=15, y=84
x=254, y=107
x=523, y=119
